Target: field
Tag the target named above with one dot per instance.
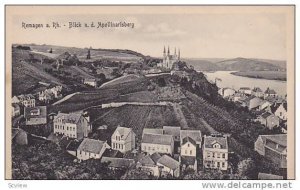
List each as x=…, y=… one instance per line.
x=135, y=117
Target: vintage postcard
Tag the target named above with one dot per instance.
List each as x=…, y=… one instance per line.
x=150, y=92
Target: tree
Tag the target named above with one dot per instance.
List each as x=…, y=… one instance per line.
x=50, y=50
x=88, y=54
x=161, y=82
x=135, y=173
x=247, y=168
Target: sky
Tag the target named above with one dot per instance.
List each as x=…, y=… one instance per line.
x=198, y=35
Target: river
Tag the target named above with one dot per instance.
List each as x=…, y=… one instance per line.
x=235, y=82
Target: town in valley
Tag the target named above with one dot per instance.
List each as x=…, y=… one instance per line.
x=87, y=113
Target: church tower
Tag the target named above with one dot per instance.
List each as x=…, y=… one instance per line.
x=168, y=51
x=178, y=54
x=164, y=52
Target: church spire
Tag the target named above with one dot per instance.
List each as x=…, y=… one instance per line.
x=168, y=50
x=164, y=49
x=178, y=54
x=175, y=51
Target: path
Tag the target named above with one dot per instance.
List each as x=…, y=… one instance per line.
x=65, y=98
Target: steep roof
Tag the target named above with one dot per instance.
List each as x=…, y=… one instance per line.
x=169, y=162
x=118, y=162
x=73, y=145
x=155, y=156
x=112, y=153
x=157, y=139
x=68, y=117
x=278, y=138
x=91, y=145
x=15, y=105
x=188, y=139
x=276, y=142
x=245, y=88
x=265, y=115
x=171, y=130
x=123, y=131
x=275, y=106
x=146, y=160
x=194, y=134
x=256, y=89
x=35, y=112
x=270, y=91
x=153, y=131
x=209, y=141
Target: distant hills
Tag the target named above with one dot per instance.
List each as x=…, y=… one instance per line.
x=237, y=64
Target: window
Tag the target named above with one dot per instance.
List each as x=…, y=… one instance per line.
x=223, y=164
x=67, y=128
x=218, y=164
x=213, y=155
x=191, y=152
x=223, y=155
x=208, y=155
x=188, y=144
x=218, y=155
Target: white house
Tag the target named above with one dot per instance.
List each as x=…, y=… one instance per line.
x=215, y=152
x=91, y=148
x=123, y=139
x=15, y=110
x=152, y=143
x=226, y=92
x=26, y=100
x=168, y=166
x=280, y=110
x=193, y=134
x=73, y=125
x=90, y=82
x=188, y=147
x=245, y=90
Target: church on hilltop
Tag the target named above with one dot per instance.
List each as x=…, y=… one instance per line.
x=168, y=59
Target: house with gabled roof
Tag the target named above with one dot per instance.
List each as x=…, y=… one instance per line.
x=168, y=166
x=35, y=115
x=148, y=163
x=193, y=134
x=123, y=139
x=245, y=90
x=215, y=152
x=153, y=131
x=26, y=100
x=91, y=149
x=280, y=110
x=152, y=143
x=226, y=92
x=90, y=82
x=72, y=125
x=256, y=91
x=270, y=93
x=273, y=147
x=269, y=120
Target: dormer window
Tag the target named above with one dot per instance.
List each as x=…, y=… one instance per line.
x=216, y=146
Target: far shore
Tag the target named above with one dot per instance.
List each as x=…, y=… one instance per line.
x=268, y=75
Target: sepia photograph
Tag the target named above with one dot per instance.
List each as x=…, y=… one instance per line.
x=165, y=92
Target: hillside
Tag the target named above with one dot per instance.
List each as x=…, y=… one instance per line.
x=243, y=64
x=236, y=64
x=96, y=54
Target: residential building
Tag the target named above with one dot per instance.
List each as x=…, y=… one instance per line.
x=153, y=131
x=72, y=147
x=193, y=134
x=269, y=120
x=270, y=93
x=257, y=92
x=118, y=163
x=188, y=147
x=91, y=149
x=273, y=147
x=265, y=104
x=215, y=152
x=148, y=164
x=73, y=125
x=152, y=143
x=239, y=97
x=45, y=96
x=123, y=139
x=35, y=115
x=168, y=166
x=56, y=91
x=280, y=110
x=226, y=92
x=245, y=90
x=26, y=100
x=188, y=162
x=90, y=82
x=252, y=103
x=15, y=110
